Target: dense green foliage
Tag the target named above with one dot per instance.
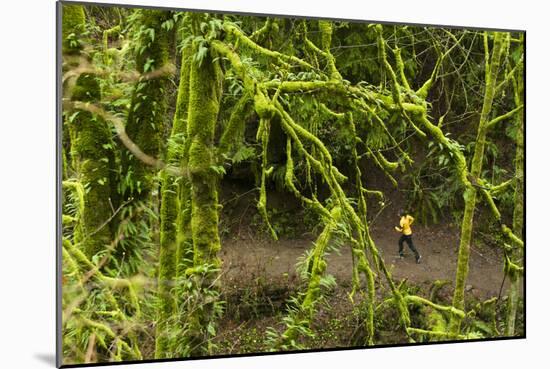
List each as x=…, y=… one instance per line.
x=164, y=110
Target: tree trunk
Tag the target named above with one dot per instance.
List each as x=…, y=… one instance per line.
x=470, y=193
x=91, y=145
x=204, y=103
x=172, y=228
x=517, y=253
x=148, y=106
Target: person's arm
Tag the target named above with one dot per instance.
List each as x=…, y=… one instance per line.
x=400, y=228
x=411, y=220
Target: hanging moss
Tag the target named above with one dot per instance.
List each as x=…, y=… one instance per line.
x=263, y=132
x=233, y=134
x=316, y=270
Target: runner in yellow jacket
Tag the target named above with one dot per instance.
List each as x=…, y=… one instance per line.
x=404, y=228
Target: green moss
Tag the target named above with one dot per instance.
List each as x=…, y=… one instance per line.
x=204, y=104
x=175, y=205
x=401, y=68
x=86, y=88
x=72, y=28
x=283, y=59
x=263, y=107
x=153, y=42
x=326, y=34
x=179, y=125
x=470, y=192
x=91, y=153
x=148, y=106
x=519, y=208
x=93, y=234
x=233, y=134
x=183, y=226
x=167, y=264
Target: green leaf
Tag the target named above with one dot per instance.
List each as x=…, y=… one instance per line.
x=243, y=153
x=211, y=330
x=73, y=116
x=218, y=169
x=148, y=65
x=201, y=54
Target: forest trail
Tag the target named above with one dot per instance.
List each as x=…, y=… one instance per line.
x=273, y=262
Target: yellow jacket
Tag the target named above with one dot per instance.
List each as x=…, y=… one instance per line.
x=405, y=225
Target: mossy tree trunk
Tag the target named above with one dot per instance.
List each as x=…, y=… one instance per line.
x=204, y=103
x=174, y=220
x=517, y=228
x=147, y=112
x=91, y=145
x=470, y=192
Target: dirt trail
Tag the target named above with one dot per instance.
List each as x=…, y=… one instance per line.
x=247, y=258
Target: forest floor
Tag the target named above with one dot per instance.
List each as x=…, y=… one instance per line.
x=250, y=258
x=259, y=276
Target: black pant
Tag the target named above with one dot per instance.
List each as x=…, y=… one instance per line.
x=409, y=241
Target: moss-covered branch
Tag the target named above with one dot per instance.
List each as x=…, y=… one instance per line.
x=422, y=92
x=285, y=60
x=395, y=86
x=502, y=117
x=449, y=309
